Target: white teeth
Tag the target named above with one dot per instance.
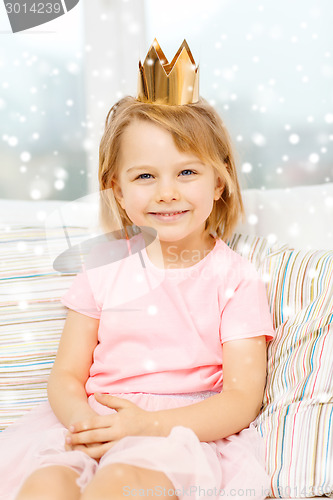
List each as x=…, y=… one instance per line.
x=168, y=215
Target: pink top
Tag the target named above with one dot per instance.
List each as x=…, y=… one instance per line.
x=161, y=330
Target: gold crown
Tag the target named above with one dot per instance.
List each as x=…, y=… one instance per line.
x=172, y=83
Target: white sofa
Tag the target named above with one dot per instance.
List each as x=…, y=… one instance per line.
x=282, y=226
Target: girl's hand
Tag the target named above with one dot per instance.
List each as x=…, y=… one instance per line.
x=93, y=450
x=96, y=435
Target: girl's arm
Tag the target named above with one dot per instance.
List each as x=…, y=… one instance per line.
x=66, y=386
x=244, y=376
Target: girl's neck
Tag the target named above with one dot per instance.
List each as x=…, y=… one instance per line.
x=180, y=254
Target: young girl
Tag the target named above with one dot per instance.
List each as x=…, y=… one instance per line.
x=162, y=362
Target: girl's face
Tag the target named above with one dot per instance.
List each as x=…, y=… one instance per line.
x=160, y=187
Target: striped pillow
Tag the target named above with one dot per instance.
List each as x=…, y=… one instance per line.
x=253, y=248
x=297, y=415
x=32, y=316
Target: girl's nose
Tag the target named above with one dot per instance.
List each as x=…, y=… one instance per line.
x=167, y=191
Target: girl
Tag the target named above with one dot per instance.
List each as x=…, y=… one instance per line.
x=162, y=362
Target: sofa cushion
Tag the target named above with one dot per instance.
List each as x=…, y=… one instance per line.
x=32, y=316
x=253, y=248
x=297, y=415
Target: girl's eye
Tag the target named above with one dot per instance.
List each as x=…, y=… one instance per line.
x=144, y=176
x=187, y=172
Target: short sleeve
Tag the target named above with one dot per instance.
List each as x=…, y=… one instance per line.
x=246, y=313
x=80, y=297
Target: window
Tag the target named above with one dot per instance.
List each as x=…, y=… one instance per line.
x=267, y=67
x=42, y=111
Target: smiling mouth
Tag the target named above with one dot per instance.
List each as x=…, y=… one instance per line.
x=168, y=214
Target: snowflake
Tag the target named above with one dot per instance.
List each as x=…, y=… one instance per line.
x=246, y=168
x=294, y=139
x=25, y=156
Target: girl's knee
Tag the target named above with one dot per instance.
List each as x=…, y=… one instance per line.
x=119, y=481
x=110, y=482
x=53, y=483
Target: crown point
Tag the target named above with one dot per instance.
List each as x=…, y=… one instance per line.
x=174, y=83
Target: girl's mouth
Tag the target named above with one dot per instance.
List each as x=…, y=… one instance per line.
x=170, y=216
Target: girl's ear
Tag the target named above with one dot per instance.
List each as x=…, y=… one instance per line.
x=219, y=187
x=117, y=193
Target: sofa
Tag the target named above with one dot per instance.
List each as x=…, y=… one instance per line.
x=287, y=234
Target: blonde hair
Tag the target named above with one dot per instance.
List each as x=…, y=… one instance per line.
x=196, y=128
